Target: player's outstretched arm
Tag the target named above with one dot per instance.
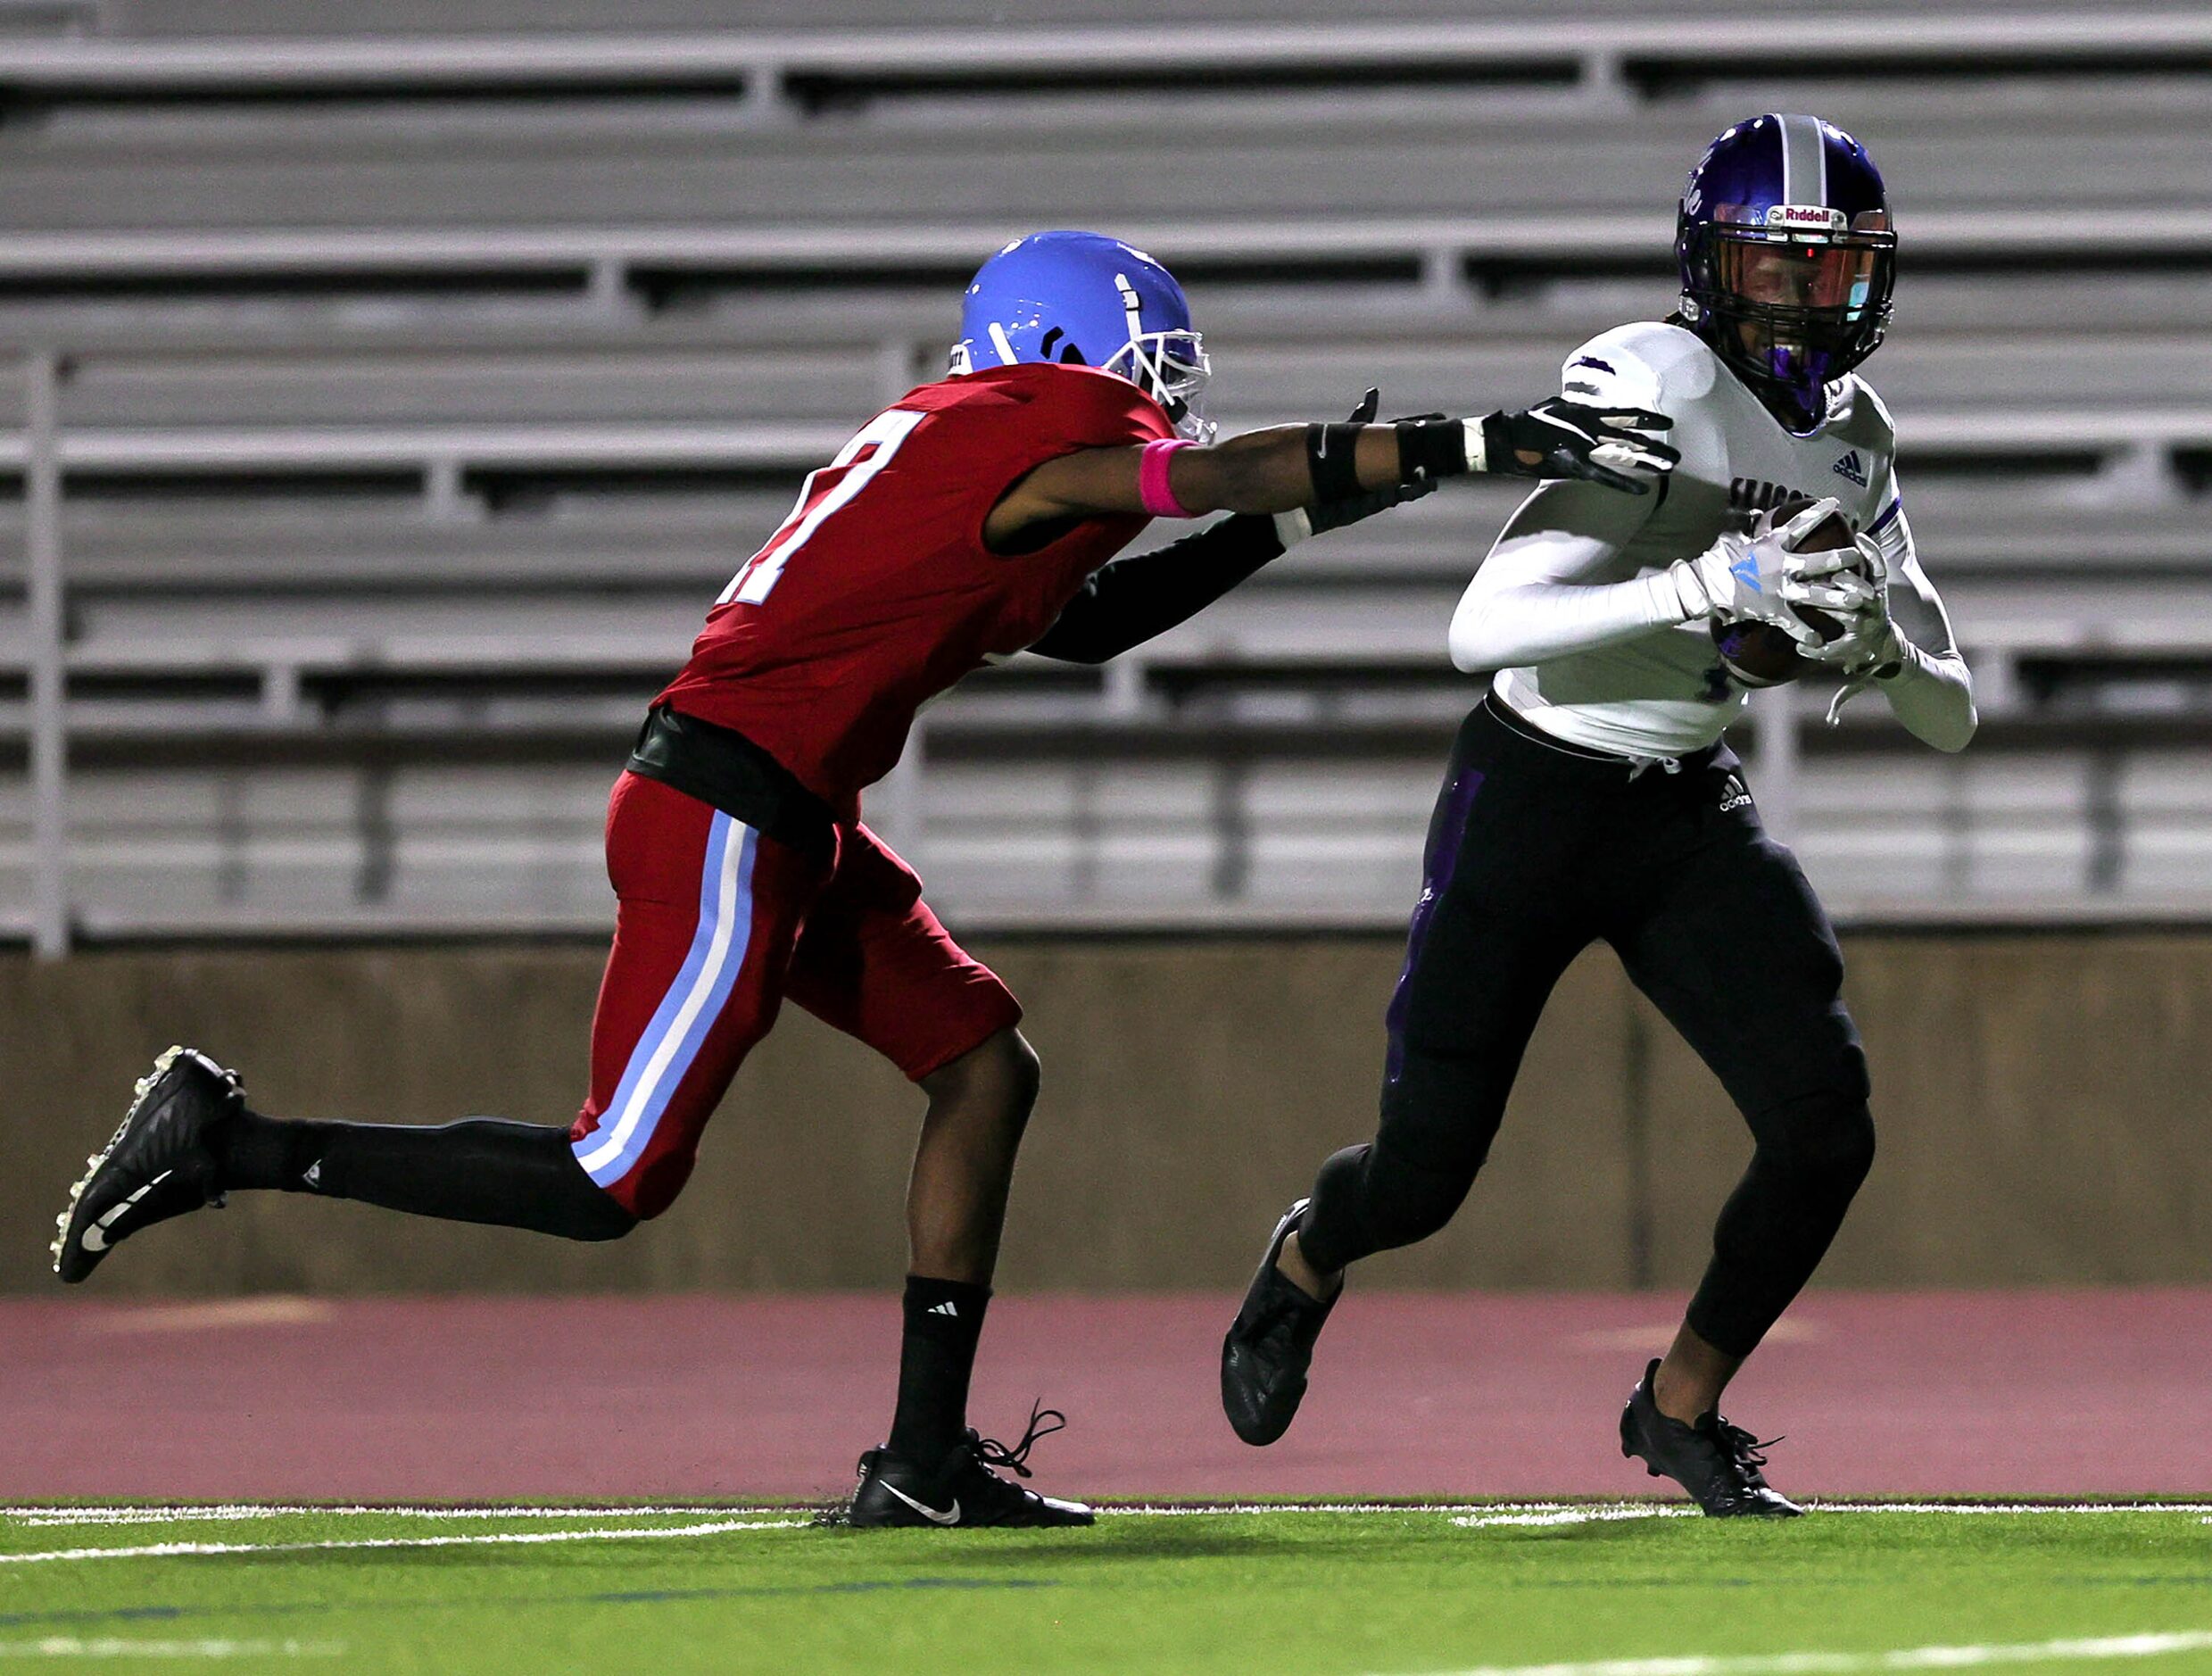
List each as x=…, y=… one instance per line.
x=1136, y=598
x=1144, y=596
x=1293, y=466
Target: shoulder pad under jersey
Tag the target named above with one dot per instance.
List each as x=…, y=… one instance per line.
x=1646, y=363
x=1853, y=403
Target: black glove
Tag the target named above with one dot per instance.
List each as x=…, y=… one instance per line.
x=1335, y=514
x=1600, y=445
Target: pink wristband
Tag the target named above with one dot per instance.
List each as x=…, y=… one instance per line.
x=1152, y=480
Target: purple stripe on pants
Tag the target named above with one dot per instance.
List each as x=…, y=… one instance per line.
x=1453, y=810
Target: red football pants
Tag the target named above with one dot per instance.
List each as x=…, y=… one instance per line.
x=716, y=924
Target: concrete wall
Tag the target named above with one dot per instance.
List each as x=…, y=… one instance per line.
x=2042, y=1103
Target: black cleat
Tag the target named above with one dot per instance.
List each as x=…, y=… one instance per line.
x=1717, y=1463
x=896, y=1490
x=159, y=1164
x=1269, y=1345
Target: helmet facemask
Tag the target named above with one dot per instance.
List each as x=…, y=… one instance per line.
x=1789, y=304
x=1170, y=367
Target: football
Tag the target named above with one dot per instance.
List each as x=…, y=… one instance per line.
x=1760, y=654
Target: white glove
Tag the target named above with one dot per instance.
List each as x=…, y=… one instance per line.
x=1832, y=581
x=1760, y=576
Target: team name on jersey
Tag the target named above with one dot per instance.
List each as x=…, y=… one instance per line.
x=1748, y=497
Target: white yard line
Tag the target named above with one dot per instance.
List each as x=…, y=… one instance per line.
x=117, y=1646
x=38, y=1517
x=2011, y=1506
x=165, y=1550
x=1201, y=1510
x=1479, y=1513
x=1570, y=1515
x=1468, y=1515
x=1843, y=1663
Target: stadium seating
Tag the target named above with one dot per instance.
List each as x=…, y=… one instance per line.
x=428, y=368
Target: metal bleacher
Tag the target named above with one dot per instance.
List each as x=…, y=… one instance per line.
x=424, y=372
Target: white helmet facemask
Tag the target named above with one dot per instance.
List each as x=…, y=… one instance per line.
x=1169, y=367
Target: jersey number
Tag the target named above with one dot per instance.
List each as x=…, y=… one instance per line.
x=868, y=452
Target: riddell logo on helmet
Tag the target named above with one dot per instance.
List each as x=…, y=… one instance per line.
x=1807, y=215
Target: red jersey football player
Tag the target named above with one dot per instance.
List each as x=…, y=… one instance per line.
x=971, y=519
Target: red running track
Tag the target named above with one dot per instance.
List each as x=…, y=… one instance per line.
x=2074, y=1393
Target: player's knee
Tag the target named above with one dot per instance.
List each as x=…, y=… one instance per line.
x=1828, y=1141
x=998, y=1079
x=1399, y=1201
x=1843, y=1146
x=639, y=1197
x=610, y=1219
x=1417, y=1198
x=597, y=1214
x=1024, y=1073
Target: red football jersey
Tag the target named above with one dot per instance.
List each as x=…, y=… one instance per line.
x=877, y=592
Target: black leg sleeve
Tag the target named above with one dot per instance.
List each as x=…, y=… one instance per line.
x=1779, y=1223
x=1367, y=1200
x=1735, y=949
x=481, y=1169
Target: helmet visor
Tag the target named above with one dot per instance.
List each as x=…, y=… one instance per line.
x=1831, y=278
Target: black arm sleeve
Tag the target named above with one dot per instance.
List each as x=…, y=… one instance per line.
x=1131, y=600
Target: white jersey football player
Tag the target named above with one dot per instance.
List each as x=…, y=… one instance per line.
x=1590, y=796
x=1594, y=610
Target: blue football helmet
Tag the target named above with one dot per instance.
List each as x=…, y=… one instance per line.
x=1787, y=255
x=1086, y=300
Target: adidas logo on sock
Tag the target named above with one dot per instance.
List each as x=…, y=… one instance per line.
x=1851, y=466
x=944, y=1308
x=314, y=1177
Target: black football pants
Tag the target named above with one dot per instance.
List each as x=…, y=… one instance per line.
x=1535, y=852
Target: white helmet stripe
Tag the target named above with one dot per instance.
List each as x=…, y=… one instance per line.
x=1000, y=342
x=1132, y=308
x=1149, y=379
x=1804, y=161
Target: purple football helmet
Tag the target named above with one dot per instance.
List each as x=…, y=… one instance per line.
x=1788, y=256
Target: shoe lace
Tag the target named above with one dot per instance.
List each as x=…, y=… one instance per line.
x=990, y=1452
x=1744, y=1451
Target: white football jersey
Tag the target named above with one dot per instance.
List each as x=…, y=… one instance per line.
x=1664, y=692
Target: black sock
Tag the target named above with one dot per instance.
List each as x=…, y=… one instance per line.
x=481, y=1169
x=944, y=1320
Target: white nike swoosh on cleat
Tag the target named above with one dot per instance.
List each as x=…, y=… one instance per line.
x=96, y=1235
x=929, y=1513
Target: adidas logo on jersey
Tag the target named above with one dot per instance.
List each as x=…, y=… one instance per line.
x=1851, y=466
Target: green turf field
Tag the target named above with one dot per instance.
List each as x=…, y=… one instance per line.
x=1298, y=1593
